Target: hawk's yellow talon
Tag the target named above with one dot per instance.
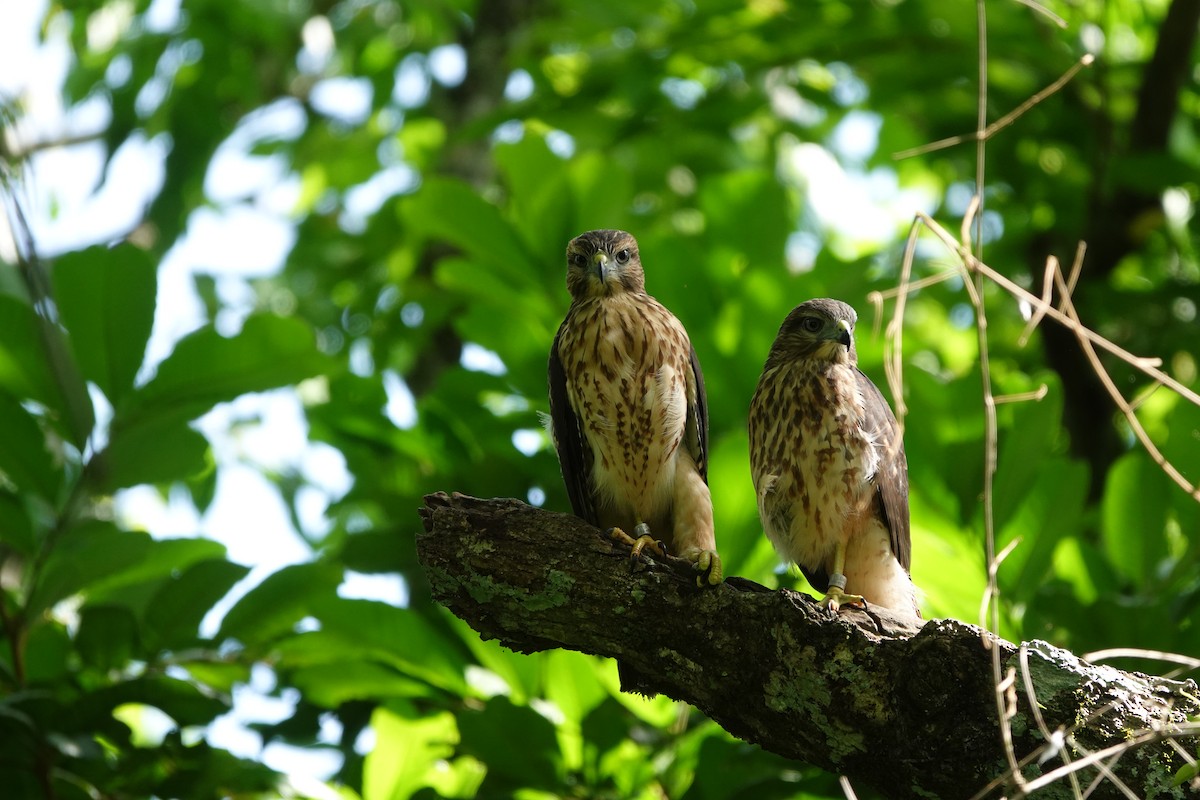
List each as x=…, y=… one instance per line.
x=643, y=542
x=647, y=542
x=835, y=598
x=708, y=564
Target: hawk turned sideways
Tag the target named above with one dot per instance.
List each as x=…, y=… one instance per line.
x=828, y=464
x=627, y=408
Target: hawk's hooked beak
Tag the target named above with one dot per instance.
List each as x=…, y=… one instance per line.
x=843, y=333
x=600, y=265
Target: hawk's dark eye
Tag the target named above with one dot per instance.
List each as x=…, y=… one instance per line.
x=810, y=324
x=578, y=260
x=623, y=256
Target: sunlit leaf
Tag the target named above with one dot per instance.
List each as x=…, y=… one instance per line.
x=96, y=555
x=1134, y=517
x=154, y=449
x=173, y=616
x=400, y=635
x=407, y=744
x=451, y=210
x=279, y=602
x=106, y=297
x=178, y=699
x=206, y=368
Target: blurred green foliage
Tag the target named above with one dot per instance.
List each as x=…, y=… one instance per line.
x=433, y=223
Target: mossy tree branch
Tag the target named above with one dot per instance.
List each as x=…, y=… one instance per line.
x=907, y=708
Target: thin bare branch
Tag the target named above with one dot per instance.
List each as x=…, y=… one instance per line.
x=1137, y=652
x=1135, y=740
x=1023, y=397
x=1041, y=9
x=987, y=131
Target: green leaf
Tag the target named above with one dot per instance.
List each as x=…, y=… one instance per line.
x=280, y=601
x=95, y=555
x=106, y=298
x=520, y=672
x=407, y=746
x=399, y=635
x=337, y=682
x=572, y=685
x=107, y=637
x=745, y=211
x=1134, y=517
x=47, y=653
x=488, y=736
x=1186, y=774
x=151, y=449
x=24, y=459
x=16, y=527
x=454, y=211
x=178, y=699
x=172, y=618
x=23, y=367
x=1050, y=510
x=540, y=196
x=1025, y=448
x=35, y=364
x=206, y=368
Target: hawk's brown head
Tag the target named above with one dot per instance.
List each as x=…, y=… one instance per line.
x=821, y=329
x=603, y=262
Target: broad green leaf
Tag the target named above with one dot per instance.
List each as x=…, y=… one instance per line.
x=180, y=700
x=1186, y=774
x=172, y=618
x=1050, y=510
x=1182, y=447
x=453, y=211
x=221, y=676
x=107, y=637
x=571, y=683
x=540, y=196
x=1025, y=445
x=95, y=556
x=399, y=634
x=1134, y=517
x=488, y=736
x=23, y=367
x=602, y=194
x=151, y=449
x=47, y=653
x=337, y=682
x=16, y=527
x=206, y=368
x=24, y=459
x=746, y=212
x=106, y=298
x=1071, y=564
x=376, y=550
x=519, y=671
x=407, y=746
x=280, y=601
x=35, y=364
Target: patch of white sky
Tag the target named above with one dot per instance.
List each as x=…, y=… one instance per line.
x=856, y=210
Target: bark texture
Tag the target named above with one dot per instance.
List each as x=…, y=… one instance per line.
x=908, y=708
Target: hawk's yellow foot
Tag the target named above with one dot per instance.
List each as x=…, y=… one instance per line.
x=836, y=597
x=708, y=564
x=644, y=541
